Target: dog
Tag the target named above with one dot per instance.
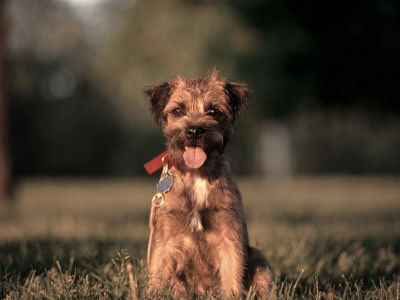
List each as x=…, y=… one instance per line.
x=199, y=239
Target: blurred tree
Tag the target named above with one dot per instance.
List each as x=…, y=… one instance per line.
x=297, y=57
x=323, y=54
x=62, y=126
x=69, y=83
x=330, y=70
x=4, y=164
x=59, y=123
x=47, y=30
x=157, y=40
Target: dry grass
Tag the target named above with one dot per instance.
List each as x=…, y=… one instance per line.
x=326, y=237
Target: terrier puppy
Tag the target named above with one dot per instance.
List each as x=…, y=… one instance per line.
x=199, y=238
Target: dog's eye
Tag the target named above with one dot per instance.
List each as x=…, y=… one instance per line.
x=177, y=111
x=213, y=112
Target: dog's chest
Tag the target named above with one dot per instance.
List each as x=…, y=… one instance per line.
x=197, y=194
x=200, y=192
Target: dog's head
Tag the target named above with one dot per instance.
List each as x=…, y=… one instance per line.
x=197, y=117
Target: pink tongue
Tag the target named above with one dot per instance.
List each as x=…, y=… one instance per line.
x=194, y=157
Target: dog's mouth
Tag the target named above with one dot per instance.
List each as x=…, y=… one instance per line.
x=194, y=157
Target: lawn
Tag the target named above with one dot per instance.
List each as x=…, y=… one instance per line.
x=325, y=237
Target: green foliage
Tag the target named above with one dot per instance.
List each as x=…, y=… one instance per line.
x=73, y=135
x=158, y=40
x=321, y=55
x=76, y=99
x=340, y=142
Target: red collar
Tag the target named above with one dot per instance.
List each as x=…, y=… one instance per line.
x=156, y=163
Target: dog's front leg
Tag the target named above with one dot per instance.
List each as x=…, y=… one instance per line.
x=231, y=268
x=164, y=267
x=229, y=260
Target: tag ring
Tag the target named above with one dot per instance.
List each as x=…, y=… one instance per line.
x=163, y=159
x=158, y=196
x=165, y=165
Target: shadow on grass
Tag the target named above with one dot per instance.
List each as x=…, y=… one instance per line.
x=96, y=266
x=19, y=258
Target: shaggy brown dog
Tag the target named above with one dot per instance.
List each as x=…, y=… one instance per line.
x=199, y=237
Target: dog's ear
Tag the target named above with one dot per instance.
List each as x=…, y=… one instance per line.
x=159, y=96
x=237, y=95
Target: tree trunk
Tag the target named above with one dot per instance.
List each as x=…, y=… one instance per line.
x=4, y=162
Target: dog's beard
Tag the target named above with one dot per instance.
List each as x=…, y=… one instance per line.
x=195, y=154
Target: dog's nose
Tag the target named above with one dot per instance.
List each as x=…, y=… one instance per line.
x=194, y=132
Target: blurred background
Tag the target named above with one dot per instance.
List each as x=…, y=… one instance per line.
x=324, y=78
x=317, y=152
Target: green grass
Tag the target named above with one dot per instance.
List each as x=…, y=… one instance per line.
x=325, y=237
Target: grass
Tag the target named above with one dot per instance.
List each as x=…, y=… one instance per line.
x=325, y=237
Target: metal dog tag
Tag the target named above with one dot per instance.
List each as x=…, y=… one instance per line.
x=165, y=184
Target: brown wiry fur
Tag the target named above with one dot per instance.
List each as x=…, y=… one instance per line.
x=200, y=237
